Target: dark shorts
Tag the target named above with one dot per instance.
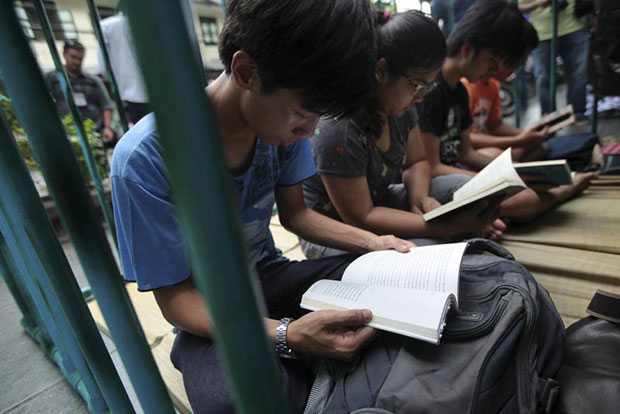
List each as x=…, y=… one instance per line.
x=282, y=284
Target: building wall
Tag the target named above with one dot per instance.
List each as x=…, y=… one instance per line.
x=86, y=36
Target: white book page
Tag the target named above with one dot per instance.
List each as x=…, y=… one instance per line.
x=430, y=268
x=413, y=313
x=498, y=170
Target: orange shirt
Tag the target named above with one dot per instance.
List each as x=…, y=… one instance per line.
x=484, y=103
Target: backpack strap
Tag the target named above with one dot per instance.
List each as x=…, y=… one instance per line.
x=479, y=245
x=547, y=393
x=605, y=305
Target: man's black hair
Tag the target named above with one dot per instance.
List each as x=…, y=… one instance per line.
x=73, y=44
x=409, y=42
x=496, y=25
x=325, y=49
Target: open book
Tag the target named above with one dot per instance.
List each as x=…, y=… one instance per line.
x=408, y=293
x=498, y=179
x=554, y=172
x=557, y=120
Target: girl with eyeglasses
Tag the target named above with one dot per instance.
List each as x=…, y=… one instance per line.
x=372, y=168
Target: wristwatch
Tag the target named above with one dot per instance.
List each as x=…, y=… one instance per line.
x=282, y=349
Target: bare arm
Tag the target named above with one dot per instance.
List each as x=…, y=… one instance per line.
x=531, y=6
x=417, y=175
x=504, y=136
x=469, y=156
x=431, y=144
x=106, y=133
x=296, y=217
x=334, y=334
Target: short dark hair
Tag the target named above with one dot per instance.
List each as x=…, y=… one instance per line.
x=496, y=25
x=325, y=49
x=73, y=44
x=409, y=42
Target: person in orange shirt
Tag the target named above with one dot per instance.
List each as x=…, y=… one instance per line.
x=488, y=133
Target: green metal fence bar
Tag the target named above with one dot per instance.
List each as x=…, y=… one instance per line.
x=37, y=250
x=24, y=305
x=553, y=53
x=61, y=346
x=63, y=349
x=34, y=324
x=93, y=169
x=594, y=117
x=192, y=152
x=517, y=92
x=94, y=19
x=53, y=332
x=53, y=153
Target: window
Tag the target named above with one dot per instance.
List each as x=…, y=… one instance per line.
x=67, y=25
x=208, y=27
x=61, y=21
x=25, y=22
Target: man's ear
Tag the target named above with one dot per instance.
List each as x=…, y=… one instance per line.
x=467, y=49
x=381, y=70
x=243, y=70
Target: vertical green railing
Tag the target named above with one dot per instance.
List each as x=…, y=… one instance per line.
x=53, y=153
x=94, y=19
x=93, y=169
x=553, y=53
x=517, y=93
x=191, y=149
x=43, y=268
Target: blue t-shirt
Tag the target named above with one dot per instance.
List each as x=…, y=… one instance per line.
x=151, y=245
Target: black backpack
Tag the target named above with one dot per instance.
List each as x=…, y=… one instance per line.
x=590, y=372
x=500, y=352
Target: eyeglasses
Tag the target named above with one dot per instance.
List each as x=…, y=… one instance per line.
x=420, y=88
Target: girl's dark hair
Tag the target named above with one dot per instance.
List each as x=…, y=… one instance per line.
x=496, y=25
x=409, y=42
x=325, y=49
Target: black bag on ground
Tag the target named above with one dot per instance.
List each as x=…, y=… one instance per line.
x=576, y=149
x=499, y=353
x=590, y=372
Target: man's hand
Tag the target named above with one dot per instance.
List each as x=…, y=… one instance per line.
x=329, y=333
x=386, y=243
x=532, y=137
x=476, y=217
x=424, y=205
x=107, y=135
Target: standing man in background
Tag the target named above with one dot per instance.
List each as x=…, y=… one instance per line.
x=125, y=67
x=89, y=92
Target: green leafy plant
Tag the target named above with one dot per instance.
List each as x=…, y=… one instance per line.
x=93, y=137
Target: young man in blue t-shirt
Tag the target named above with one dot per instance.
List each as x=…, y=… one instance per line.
x=286, y=63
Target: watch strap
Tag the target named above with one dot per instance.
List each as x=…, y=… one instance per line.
x=282, y=348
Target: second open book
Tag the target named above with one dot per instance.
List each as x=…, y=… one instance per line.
x=498, y=179
x=408, y=293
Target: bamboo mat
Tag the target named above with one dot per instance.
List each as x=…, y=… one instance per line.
x=588, y=222
x=571, y=276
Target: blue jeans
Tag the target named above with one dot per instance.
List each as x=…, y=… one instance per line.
x=573, y=49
